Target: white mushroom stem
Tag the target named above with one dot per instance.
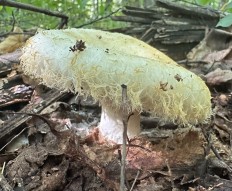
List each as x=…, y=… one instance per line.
x=111, y=125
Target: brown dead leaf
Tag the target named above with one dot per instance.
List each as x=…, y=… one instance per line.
x=9, y=59
x=92, y=155
x=217, y=56
x=218, y=76
x=184, y=147
x=53, y=177
x=27, y=163
x=215, y=41
x=142, y=159
x=99, y=153
x=149, y=184
x=12, y=42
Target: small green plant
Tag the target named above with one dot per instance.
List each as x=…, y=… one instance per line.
x=224, y=6
x=203, y=2
x=227, y=20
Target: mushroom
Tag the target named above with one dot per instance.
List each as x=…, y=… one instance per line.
x=97, y=63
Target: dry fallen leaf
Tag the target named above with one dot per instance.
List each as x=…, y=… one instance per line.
x=218, y=76
x=217, y=56
x=216, y=40
x=12, y=42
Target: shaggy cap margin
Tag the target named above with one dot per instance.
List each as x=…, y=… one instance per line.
x=155, y=83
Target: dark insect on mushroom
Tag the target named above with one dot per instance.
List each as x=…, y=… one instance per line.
x=178, y=77
x=163, y=86
x=107, y=50
x=80, y=45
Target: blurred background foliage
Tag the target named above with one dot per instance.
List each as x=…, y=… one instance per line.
x=81, y=12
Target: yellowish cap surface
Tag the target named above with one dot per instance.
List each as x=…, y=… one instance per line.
x=155, y=83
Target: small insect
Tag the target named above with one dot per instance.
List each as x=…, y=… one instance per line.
x=178, y=77
x=163, y=86
x=107, y=50
x=80, y=45
x=171, y=87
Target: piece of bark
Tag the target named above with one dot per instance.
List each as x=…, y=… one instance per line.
x=171, y=27
x=14, y=125
x=5, y=186
x=196, y=11
x=7, y=62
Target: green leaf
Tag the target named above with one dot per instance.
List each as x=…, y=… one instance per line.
x=229, y=6
x=225, y=22
x=101, y=9
x=9, y=10
x=203, y=2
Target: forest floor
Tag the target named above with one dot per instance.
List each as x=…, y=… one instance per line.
x=50, y=141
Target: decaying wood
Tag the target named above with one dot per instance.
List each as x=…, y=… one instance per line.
x=10, y=58
x=217, y=184
x=4, y=184
x=197, y=11
x=172, y=27
x=7, y=62
x=12, y=126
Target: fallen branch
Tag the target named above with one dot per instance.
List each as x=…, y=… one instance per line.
x=9, y=3
x=98, y=19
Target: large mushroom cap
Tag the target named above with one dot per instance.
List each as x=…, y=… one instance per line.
x=105, y=61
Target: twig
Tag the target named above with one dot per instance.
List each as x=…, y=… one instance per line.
x=46, y=120
x=192, y=62
x=215, y=186
x=208, y=139
x=125, y=120
x=3, y=167
x=64, y=18
x=170, y=173
x=3, y=182
x=137, y=175
x=41, y=117
x=98, y=19
x=14, y=21
x=221, y=161
x=17, y=135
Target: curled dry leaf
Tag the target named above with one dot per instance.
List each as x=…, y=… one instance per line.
x=215, y=41
x=217, y=56
x=218, y=76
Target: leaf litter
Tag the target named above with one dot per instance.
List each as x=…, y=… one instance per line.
x=64, y=150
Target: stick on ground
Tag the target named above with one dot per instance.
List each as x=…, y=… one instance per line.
x=125, y=120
